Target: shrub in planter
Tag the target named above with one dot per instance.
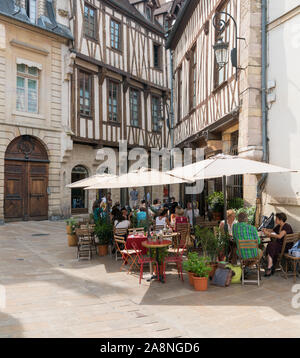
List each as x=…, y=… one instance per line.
x=236, y=203
x=216, y=204
x=72, y=224
x=188, y=266
x=201, y=271
x=104, y=233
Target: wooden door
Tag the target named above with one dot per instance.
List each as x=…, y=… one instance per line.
x=37, y=191
x=14, y=190
x=26, y=180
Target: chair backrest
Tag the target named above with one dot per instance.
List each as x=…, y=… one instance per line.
x=119, y=240
x=120, y=232
x=83, y=235
x=291, y=238
x=138, y=229
x=159, y=227
x=184, y=230
x=247, y=245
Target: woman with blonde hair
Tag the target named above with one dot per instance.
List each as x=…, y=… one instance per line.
x=230, y=221
x=180, y=218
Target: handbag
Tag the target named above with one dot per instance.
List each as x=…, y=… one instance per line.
x=222, y=277
x=295, y=250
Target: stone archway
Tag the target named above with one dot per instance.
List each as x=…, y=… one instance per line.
x=26, y=180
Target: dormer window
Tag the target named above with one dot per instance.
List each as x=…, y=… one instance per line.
x=31, y=10
x=148, y=12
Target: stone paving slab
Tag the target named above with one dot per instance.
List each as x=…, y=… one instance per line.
x=50, y=294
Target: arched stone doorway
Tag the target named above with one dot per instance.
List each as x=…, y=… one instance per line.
x=26, y=180
x=79, y=196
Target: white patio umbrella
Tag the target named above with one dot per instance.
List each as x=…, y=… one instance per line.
x=224, y=166
x=92, y=180
x=143, y=177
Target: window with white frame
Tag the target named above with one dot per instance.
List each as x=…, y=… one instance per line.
x=31, y=7
x=27, y=88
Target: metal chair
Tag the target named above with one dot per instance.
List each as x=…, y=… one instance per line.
x=177, y=259
x=127, y=255
x=251, y=245
x=143, y=260
x=121, y=233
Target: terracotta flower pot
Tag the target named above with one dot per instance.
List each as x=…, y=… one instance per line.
x=102, y=250
x=217, y=216
x=72, y=240
x=200, y=283
x=191, y=278
x=69, y=230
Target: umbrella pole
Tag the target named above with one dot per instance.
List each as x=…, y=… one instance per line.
x=225, y=205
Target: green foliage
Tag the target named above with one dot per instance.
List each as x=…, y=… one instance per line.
x=206, y=238
x=146, y=224
x=134, y=220
x=223, y=242
x=236, y=203
x=188, y=264
x=104, y=231
x=73, y=223
x=162, y=254
x=200, y=266
x=250, y=211
x=216, y=202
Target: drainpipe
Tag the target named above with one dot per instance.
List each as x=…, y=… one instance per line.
x=262, y=182
x=171, y=127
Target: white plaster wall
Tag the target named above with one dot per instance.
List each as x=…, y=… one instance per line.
x=283, y=190
x=276, y=8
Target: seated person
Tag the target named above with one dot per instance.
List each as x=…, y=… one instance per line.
x=141, y=216
x=230, y=222
x=155, y=208
x=179, y=217
x=244, y=231
x=120, y=222
x=189, y=213
x=232, y=245
x=274, y=248
x=124, y=213
x=162, y=218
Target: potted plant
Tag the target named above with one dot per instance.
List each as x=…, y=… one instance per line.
x=209, y=245
x=188, y=266
x=104, y=233
x=72, y=224
x=201, y=271
x=216, y=205
x=236, y=203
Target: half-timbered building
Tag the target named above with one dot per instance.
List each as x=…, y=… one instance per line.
x=34, y=42
x=119, y=88
x=214, y=108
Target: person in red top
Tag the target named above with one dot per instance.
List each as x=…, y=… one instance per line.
x=180, y=218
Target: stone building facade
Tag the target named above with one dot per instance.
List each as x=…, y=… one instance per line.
x=33, y=45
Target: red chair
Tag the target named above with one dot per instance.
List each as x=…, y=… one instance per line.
x=143, y=260
x=175, y=259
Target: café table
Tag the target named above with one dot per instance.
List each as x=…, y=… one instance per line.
x=157, y=245
x=137, y=239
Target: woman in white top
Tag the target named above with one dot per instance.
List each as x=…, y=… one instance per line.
x=161, y=219
x=230, y=222
x=121, y=222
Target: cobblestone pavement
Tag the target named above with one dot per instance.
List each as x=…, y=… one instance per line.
x=50, y=294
